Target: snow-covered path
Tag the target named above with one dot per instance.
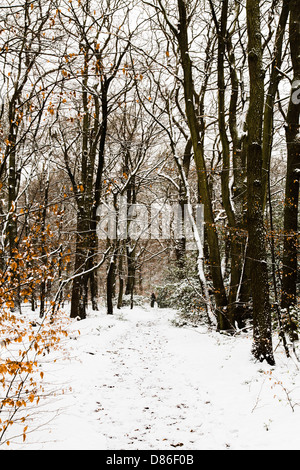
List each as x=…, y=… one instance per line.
x=139, y=382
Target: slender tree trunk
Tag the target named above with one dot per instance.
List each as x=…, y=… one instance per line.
x=80, y=284
x=44, y=214
x=86, y=236
x=268, y=126
x=291, y=234
x=111, y=281
x=239, y=240
x=180, y=243
x=131, y=274
x=262, y=347
x=97, y=190
x=131, y=244
x=121, y=278
x=192, y=118
x=12, y=232
x=235, y=254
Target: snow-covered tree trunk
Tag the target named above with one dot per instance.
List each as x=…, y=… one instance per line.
x=199, y=243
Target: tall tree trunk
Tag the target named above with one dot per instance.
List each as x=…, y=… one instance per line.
x=131, y=244
x=43, y=248
x=111, y=282
x=194, y=126
x=235, y=241
x=291, y=244
x=121, y=275
x=262, y=329
x=238, y=256
x=12, y=196
x=268, y=126
x=97, y=190
x=131, y=270
x=181, y=242
x=79, y=288
x=86, y=236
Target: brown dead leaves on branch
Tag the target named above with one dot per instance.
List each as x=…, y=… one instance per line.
x=21, y=374
x=24, y=339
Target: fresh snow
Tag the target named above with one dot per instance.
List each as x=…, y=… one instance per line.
x=136, y=381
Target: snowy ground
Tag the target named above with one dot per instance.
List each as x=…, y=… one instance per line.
x=136, y=381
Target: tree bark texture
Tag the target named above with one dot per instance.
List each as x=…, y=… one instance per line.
x=291, y=242
x=262, y=347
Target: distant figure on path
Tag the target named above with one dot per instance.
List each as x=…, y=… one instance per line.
x=153, y=300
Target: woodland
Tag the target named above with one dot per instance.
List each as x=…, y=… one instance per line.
x=109, y=106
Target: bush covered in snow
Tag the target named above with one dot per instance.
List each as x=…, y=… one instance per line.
x=182, y=291
x=138, y=300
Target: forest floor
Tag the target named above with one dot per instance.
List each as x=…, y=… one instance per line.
x=137, y=381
